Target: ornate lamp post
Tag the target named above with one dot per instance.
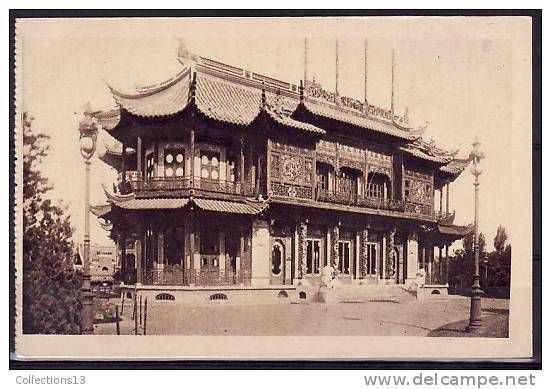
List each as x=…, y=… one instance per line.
x=475, y=318
x=88, y=136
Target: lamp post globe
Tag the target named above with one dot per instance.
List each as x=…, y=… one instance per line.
x=475, y=317
x=87, y=142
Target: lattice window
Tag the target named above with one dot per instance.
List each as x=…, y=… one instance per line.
x=174, y=162
x=150, y=166
x=210, y=165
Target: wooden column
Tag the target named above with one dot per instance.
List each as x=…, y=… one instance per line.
x=441, y=195
x=122, y=245
x=192, y=157
x=448, y=197
x=239, y=262
x=440, y=266
x=446, y=271
x=303, y=244
x=161, y=247
x=268, y=166
x=192, y=248
x=335, y=248
x=139, y=151
x=139, y=255
x=241, y=164
x=364, y=249
x=389, y=268
x=123, y=167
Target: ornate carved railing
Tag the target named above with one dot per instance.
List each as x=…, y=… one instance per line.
x=183, y=184
x=372, y=202
x=176, y=276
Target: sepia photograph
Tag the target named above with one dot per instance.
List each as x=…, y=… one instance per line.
x=282, y=187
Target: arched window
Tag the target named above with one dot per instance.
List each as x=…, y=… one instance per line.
x=277, y=257
x=349, y=180
x=377, y=186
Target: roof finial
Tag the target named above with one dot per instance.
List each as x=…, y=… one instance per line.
x=301, y=91
x=184, y=55
x=263, y=99
x=305, y=61
x=193, y=87
x=392, y=87
x=406, y=116
x=337, y=96
x=366, y=105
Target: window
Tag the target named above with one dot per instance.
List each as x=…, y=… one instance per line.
x=210, y=165
x=344, y=257
x=313, y=250
x=348, y=182
x=371, y=258
x=174, y=162
x=376, y=185
x=150, y=166
x=322, y=173
x=406, y=190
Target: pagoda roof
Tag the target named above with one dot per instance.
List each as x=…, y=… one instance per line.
x=357, y=119
x=113, y=153
x=455, y=167
x=130, y=202
x=454, y=230
x=233, y=95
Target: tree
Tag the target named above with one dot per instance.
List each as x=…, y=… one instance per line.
x=51, y=298
x=500, y=239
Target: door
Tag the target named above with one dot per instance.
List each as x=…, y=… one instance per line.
x=277, y=263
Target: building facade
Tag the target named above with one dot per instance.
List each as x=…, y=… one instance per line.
x=229, y=178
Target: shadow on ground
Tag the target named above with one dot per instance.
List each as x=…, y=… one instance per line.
x=495, y=324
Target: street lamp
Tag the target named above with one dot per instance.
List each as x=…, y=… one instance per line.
x=87, y=141
x=475, y=318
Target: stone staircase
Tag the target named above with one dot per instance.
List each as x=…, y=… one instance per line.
x=348, y=293
x=372, y=293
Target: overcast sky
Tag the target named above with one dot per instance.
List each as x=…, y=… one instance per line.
x=453, y=73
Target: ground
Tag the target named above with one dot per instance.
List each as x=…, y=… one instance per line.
x=443, y=317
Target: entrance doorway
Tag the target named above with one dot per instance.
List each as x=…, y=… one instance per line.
x=277, y=263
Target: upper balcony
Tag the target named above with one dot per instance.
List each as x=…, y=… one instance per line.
x=379, y=203
x=181, y=186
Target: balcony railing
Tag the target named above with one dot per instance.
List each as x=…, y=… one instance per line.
x=348, y=198
x=176, y=276
x=183, y=184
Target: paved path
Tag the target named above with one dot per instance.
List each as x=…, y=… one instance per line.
x=410, y=318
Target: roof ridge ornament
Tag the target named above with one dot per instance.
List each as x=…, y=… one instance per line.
x=184, y=55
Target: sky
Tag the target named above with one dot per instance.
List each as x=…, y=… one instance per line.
x=455, y=74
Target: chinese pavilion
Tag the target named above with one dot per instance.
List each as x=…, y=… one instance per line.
x=231, y=179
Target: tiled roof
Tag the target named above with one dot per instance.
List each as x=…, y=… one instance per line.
x=455, y=167
x=108, y=119
x=342, y=115
x=152, y=203
x=454, y=230
x=164, y=100
x=227, y=102
x=290, y=122
x=246, y=208
x=418, y=153
x=101, y=209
